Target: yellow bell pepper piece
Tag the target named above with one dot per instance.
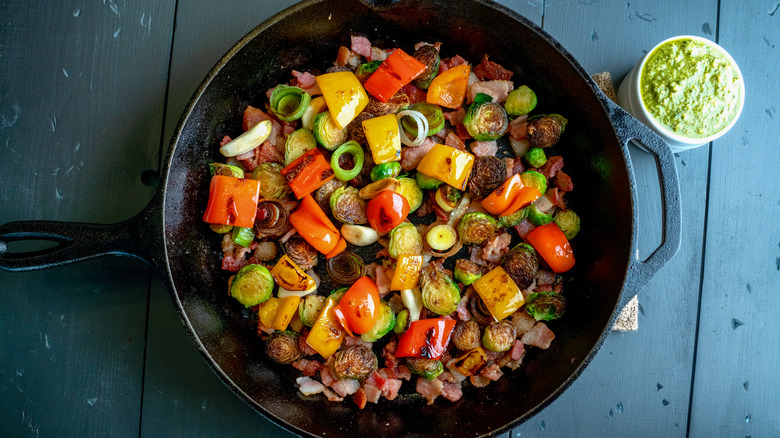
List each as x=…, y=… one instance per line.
x=327, y=334
x=383, y=138
x=448, y=164
x=276, y=313
x=407, y=272
x=449, y=88
x=344, y=95
x=470, y=363
x=499, y=292
x=290, y=276
x=267, y=312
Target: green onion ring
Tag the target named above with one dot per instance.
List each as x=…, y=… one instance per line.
x=353, y=148
x=288, y=102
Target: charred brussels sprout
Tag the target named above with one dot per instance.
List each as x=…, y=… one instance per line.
x=405, y=239
x=298, y=143
x=408, y=188
x=309, y=309
x=364, y=71
x=328, y=133
x=272, y=183
x=466, y=335
x=429, y=56
x=544, y=306
x=300, y=251
x=440, y=294
x=426, y=182
x=252, y=285
x=487, y=174
x=226, y=170
x=282, y=347
x=486, y=121
x=428, y=368
x=521, y=264
x=386, y=170
x=514, y=218
x=569, y=222
x=354, y=362
x=322, y=194
x=520, y=101
x=475, y=227
x=545, y=130
x=346, y=206
x=499, y=336
x=467, y=272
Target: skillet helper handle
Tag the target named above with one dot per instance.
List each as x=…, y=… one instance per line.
x=641, y=271
x=138, y=237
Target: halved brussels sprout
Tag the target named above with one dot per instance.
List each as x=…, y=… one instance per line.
x=347, y=207
x=327, y=133
x=514, y=218
x=534, y=179
x=440, y=294
x=309, y=309
x=466, y=271
x=408, y=188
x=401, y=322
x=404, y=239
x=383, y=325
x=354, y=362
x=426, y=182
x=272, y=183
x=487, y=174
x=545, y=130
x=226, y=170
x=391, y=169
x=427, y=368
x=544, y=306
x=428, y=55
x=522, y=264
x=569, y=222
x=475, y=227
x=520, y=101
x=252, y=285
x=537, y=216
x=282, y=347
x=466, y=335
x=499, y=336
x=486, y=121
x=298, y=143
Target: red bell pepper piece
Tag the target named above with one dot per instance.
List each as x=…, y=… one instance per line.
x=313, y=225
x=550, y=242
x=232, y=201
x=387, y=210
x=358, y=309
x=396, y=71
x=308, y=173
x=426, y=338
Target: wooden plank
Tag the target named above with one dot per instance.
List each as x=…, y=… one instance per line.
x=80, y=116
x=736, y=387
x=639, y=381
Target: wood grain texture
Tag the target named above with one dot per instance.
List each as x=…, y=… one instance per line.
x=638, y=381
x=737, y=385
x=81, y=101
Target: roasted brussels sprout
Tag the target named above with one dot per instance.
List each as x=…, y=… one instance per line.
x=520, y=101
x=486, y=121
x=390, y=169
x=432, y=113
x=545, y=130
x=327, y=133
x=365, y=70
x=440, y=294
x=300, y=251
x=354, y=362
x=428, y=368
x=298, y=143
x=569, y=222
x=487, y=174
x=322, y=194
x=466, y=335
x=346, y=206
x=544, y=306
x=475, y=227
x=376, y=107
x=221, y=228
x=226, y=170
x=499, y=336
x=536, y=157
x=514, y=218
x=537, y=216
x=402, y=322
x=532, y=178
x=521, y=264
x=309, y=309
x=272, y=183
x=467, y=272
x=426, y=182
x=252, y=285
x=282, y=347
x=384, y=323
x=405, y=239
x=337, y=294
x=429, y=56
x=345, y=267
x=408, y=188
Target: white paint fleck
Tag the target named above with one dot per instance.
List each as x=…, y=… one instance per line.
x=70, y=169
x=203, y=405
x=117, y=32
x=8, y=120
x=77, y=147
x=56, y=171
x=58, y=194
x=77, y=13
x=112, y=4
x=46, y=342
x=92, y=400
x=65, y=72
x=53, y=121
x=20, y=373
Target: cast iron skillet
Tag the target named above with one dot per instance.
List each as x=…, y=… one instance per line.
x=170, y=235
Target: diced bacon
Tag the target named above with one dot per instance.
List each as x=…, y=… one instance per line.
x=484, y=148
x=462, y=131
x=265, y=153
x=513, y=166
x=411, y=156
x=429, y=389
x=455, y=117
x=306, y=366
x=287, y=129
x=516, y=353
x=388, y=353
x=518, y=128
x=524, y=227
x=304, y=79
x=325, y=375
x=383, y=253
x=359, y=398
x=356, y=340
x=452, y=140
x=462, y=310
x=345, y=387
x=361, y=45
x=563, y=181
x=544, y=276
x=490, y=70
x=414, y=93
x=253, y=116
x=552, y=166
x=523, y=322
x=498, y=90
x=451, y=391
x=390, y=390
x=544, y=204
x=556, y=197
x=479, y=381
x=372, y=393
x=495, y=247
x=233, y=255
x=448, y=63
x=383, y=278
x=377, y=379
x=401, y=372
x=332, y=396
x=492, y=372
x=342, y=56
x=539, y=336
x=477, y=256
x=309, y=386
x=225, y=140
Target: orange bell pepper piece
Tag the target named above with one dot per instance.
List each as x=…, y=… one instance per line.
x=524, y=197
x=449, y=88
x=393, y=73
x=340, y=247
x=503, y=198
x=232, y=201
x=448, y=164
x=407, y=272
x=314, y=226
x=358, y=309
x=308, y=173
x=550, y=242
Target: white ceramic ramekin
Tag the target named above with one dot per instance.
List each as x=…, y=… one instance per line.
x=630, y=98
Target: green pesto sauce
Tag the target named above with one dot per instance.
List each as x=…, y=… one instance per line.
x=690, y=88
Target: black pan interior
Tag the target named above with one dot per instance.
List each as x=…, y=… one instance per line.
x=307, y=37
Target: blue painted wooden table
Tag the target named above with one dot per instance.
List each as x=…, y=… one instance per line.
x=89, y=97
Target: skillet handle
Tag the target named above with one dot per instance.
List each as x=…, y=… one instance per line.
x=629, y=129
x=139, y=237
